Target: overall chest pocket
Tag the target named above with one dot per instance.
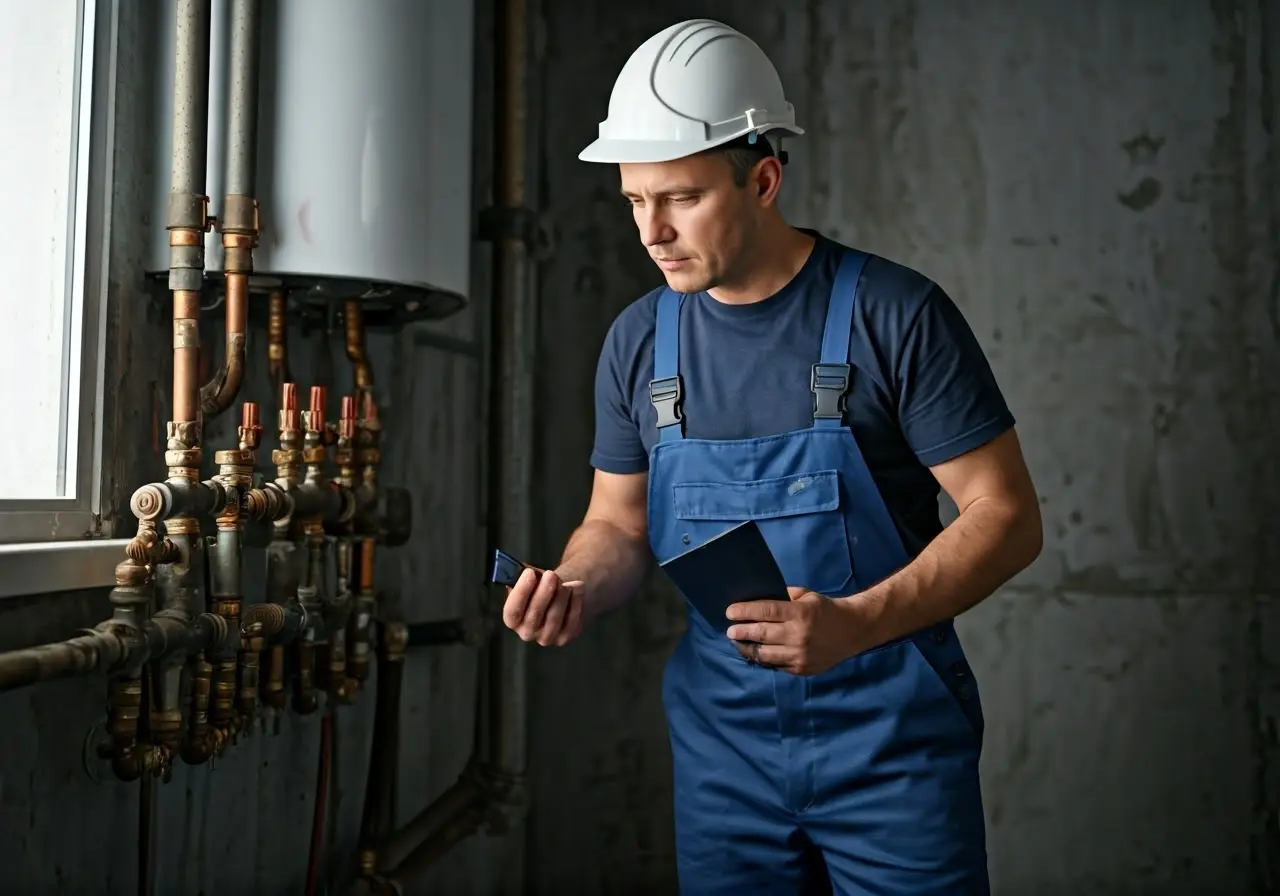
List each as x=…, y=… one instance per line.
x=801, y=517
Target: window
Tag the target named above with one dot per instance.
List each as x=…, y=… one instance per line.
x=52, y=179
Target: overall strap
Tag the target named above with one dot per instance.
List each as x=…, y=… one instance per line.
x=830, y=377
x=666, y=389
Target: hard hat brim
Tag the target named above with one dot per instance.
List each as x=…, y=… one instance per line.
x=649, y=151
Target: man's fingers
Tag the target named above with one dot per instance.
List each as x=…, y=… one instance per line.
x=573, y=618
x=535, y=613
x=763, y=632
x=518, y=595
x=778, y=656
x=759, y=611
x=554, y=620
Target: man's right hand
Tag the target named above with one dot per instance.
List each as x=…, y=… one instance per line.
x=542, y=608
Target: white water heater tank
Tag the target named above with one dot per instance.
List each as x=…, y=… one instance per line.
x=364, y=152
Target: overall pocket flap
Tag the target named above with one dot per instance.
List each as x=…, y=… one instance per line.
x=759, y=500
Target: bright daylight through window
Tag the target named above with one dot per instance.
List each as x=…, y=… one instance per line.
x=45, y=56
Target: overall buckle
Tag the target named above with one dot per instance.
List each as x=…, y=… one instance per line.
x=667, y=395
x=830, y=385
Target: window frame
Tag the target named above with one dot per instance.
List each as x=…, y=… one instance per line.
x=40, y=521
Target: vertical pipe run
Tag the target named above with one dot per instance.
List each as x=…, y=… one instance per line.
x=502, y=722
x=277, y=341
x=240, y=208
x=377, y=818
x=513, y=329
x=242, y=126
x=190, y=97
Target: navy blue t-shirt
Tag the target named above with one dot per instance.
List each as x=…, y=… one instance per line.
x=922, y=390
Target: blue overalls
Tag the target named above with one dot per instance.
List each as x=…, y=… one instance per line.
x=870, y=767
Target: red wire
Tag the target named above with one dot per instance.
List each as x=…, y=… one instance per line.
x=322, y=799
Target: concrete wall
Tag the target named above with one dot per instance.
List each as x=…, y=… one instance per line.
x=1095, y=184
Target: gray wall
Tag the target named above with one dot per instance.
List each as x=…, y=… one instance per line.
x=1095, y=183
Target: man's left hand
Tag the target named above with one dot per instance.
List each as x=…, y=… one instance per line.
x=804, y=636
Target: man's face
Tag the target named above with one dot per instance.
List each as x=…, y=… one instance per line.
x=692, y=218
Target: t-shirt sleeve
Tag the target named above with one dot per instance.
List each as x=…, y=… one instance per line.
x=948, y=399
x=618, y=446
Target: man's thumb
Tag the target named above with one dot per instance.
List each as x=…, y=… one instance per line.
x=794, y=593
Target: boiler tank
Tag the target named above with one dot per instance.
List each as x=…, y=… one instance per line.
x=364, y=154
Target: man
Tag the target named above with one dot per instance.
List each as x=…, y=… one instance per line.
x=826, y=394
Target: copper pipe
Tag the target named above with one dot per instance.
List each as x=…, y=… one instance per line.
x=282, y=576
x=239, y=222
x=369, y=457
x=218, y=394
x=361, y=369
x=314, y=455
x=186, y=352
x=277, y=341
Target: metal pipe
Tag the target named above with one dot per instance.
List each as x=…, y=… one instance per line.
x=179, y=585
x=361, y=369
x=512, y=329
x=188, y=215
x=218, y=394
x=277, y=341
x=239, y=222
x=323, y=776
x=190, y=96
x=242, y=122
x=81, y=655
x=283, y=574
x=368, y=456
x=492, y=787
x=441, y=632
x=377, y=818
x=146, y=838
x=343, y=633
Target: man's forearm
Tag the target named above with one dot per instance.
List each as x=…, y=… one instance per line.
x=982, y=549
x=611, y=562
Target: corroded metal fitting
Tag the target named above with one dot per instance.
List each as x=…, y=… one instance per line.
x=396, y=636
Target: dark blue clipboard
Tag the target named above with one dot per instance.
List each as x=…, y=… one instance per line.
x=731, y=567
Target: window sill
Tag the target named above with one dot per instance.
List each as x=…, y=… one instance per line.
x=44, y=568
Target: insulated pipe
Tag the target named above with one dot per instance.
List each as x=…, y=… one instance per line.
x=242, y=124
x=188, y=217
x=239, y=223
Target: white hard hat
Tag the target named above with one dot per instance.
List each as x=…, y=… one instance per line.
x=690, y=87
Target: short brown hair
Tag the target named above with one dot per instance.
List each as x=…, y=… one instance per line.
x=743, y=155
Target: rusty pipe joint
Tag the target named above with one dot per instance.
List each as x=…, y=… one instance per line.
x=169, y=634
x=159, y=501
x=270, y=502
x=182, y=453
x=274, y=623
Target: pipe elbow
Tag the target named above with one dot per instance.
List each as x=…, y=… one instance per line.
x=218, y=394
x=198, y=749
